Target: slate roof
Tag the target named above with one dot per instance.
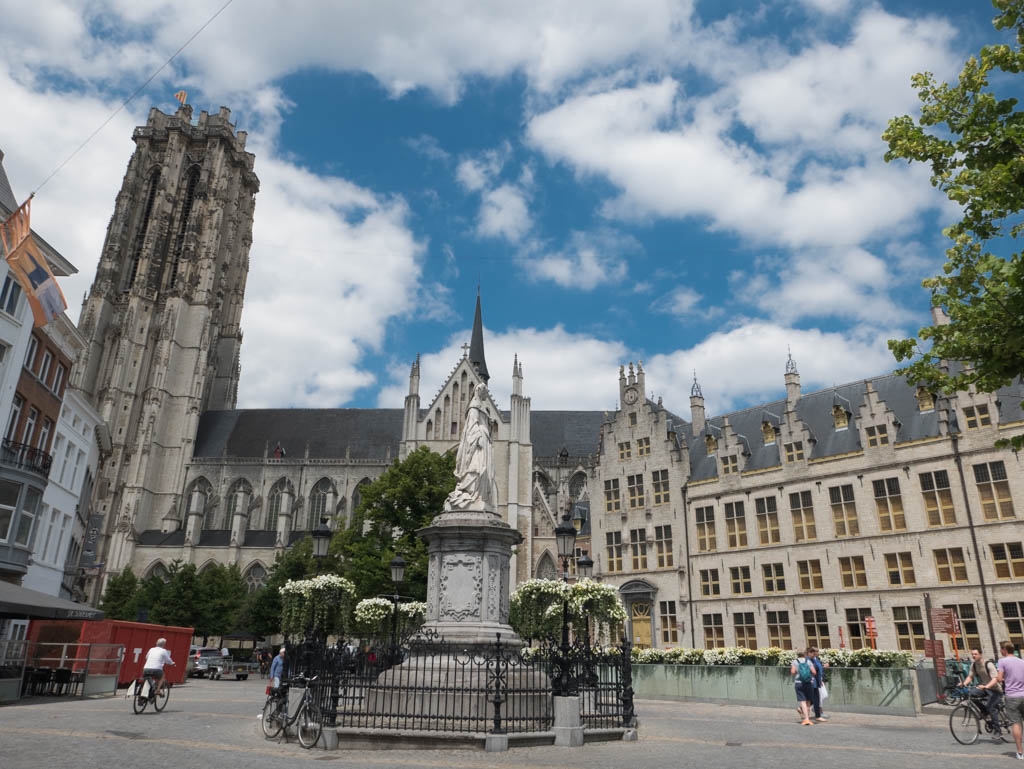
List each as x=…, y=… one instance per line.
x=578, y=432
x=364, y=433
x=815, y=410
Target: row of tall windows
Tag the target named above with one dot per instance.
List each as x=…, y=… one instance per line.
x=639, y=550
x=990, y=480
x=950, y=568
x=635, y=493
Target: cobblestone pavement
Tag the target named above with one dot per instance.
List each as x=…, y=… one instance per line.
x=214, y=724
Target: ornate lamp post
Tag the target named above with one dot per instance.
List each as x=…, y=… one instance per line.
x=397, y=577
x=321, y=542
x=565, y=538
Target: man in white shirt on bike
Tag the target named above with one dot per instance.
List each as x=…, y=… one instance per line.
x=156, y=658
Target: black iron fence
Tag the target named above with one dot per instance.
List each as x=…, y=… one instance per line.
x=427, y=684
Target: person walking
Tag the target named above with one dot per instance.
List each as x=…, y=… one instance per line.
x=802, y=671
x=819, y=683
x=1011, y=677
x=277, y=669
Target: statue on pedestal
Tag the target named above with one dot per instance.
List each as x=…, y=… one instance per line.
x=474, y=462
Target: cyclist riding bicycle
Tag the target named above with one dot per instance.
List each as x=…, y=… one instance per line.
x=985, y=678
x=156, y=658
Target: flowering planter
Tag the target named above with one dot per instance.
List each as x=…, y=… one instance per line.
x=857, y=690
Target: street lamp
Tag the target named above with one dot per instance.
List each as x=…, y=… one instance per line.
x=397, y=576
x=565, y=539
x=321, y=542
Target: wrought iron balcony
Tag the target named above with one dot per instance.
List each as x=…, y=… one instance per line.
x=25, y=457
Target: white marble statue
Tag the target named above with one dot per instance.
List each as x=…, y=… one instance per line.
x=474, y=462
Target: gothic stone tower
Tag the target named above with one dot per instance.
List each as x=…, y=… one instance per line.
x=162, y=317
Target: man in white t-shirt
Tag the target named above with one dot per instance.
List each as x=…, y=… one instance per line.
x=156, y=658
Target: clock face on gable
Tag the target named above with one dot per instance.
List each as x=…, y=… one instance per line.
x=630, y=396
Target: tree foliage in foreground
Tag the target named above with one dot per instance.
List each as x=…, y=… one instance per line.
x=974, y=143
x=391, y=510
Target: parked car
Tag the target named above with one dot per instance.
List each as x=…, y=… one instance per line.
x=205, y=662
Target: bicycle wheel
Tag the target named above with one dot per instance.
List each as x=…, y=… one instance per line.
x=139, y=702
x=309, y=726
x=963, y=723
x=160, y=702
x=272, y=721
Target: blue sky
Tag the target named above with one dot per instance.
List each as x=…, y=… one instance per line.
x=698, y=185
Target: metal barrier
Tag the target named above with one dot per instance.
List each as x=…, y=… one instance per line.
x=60, y=669
x=427, y=684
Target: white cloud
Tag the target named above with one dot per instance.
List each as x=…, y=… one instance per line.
x=589, y=260
x=305, y=338
x=747, y=364
x=546, y=356
x=504, y=213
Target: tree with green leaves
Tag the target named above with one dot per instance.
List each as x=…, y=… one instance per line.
x=384, y=524
x=180, y=602
x=223, y=594
x=120, y=600
x=974, y=143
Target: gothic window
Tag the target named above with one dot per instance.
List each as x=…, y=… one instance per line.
x=255, y=577
x=279, y=496
x=357, y=495
x=198, y=501
x=237, y=500
x=546, y=567
x=142, y=228
x=186, y=212
x=319, y=499
x=158, y=570
x=577, y=484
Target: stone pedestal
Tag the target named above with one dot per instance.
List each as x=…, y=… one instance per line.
x=468, y=577
x=568, y=727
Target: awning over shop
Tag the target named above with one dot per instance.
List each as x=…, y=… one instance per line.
x=22, y=603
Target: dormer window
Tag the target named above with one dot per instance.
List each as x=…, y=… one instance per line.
x=878, y=435
x=768, y=431
x=794, y=451
x=840, y=417
x=711, y=444
x=925, y=400
x=730, y=465
x=977, y=416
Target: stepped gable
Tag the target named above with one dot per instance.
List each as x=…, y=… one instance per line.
x=330, y=433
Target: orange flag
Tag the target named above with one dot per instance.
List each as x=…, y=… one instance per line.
x=181, y=96
x=29, y=267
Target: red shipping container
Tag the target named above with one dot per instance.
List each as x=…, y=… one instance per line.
x=136, y=637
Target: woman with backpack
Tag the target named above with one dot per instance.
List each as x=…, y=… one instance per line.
x=803, y=674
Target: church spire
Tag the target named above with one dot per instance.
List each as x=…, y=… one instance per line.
x=476, y=343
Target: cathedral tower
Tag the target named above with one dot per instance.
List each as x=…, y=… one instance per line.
x=162, y=316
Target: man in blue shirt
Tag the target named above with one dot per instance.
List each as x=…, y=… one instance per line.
x=819, y=679
x=277, y=669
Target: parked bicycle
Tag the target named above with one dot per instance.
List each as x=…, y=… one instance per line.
x=144, y=693
x=307, y=718
x=967, y=721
